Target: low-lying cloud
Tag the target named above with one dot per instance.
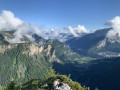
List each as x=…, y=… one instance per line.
x=115, y=24
x=9, y=22
x=58, y=34
x=76, y=31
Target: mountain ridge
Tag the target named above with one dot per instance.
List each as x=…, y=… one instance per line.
x=26, y=60
x=94, y=44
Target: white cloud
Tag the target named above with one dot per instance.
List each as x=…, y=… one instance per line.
x=57, y=34
x=9, y=22
x=76, y=31
x=115, y=24
x=22, y=30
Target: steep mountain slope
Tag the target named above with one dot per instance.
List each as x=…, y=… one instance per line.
x=101, y=73
x=109, y=47
x=96, y=44
x=22, y=62
x=83, y=44
x=26, y=60
x=2, y=40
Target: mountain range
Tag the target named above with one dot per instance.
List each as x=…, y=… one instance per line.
x=84, y=57
x=26, y=60
x=96, y=44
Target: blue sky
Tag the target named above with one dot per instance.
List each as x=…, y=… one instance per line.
x=62, y=13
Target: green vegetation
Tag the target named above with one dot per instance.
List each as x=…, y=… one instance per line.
x=2, y=41
x=64, y=53
x=17, y=63
x=47, y=82
x=22, y=67
x=11, y=86
x=101, y=73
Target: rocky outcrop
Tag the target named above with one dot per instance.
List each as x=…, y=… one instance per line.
x=47, y=50
x=36, y=50
x=7, y=47
x=101, y=44
x=61, y=86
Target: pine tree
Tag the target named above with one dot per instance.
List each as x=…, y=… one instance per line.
x=11, y=86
